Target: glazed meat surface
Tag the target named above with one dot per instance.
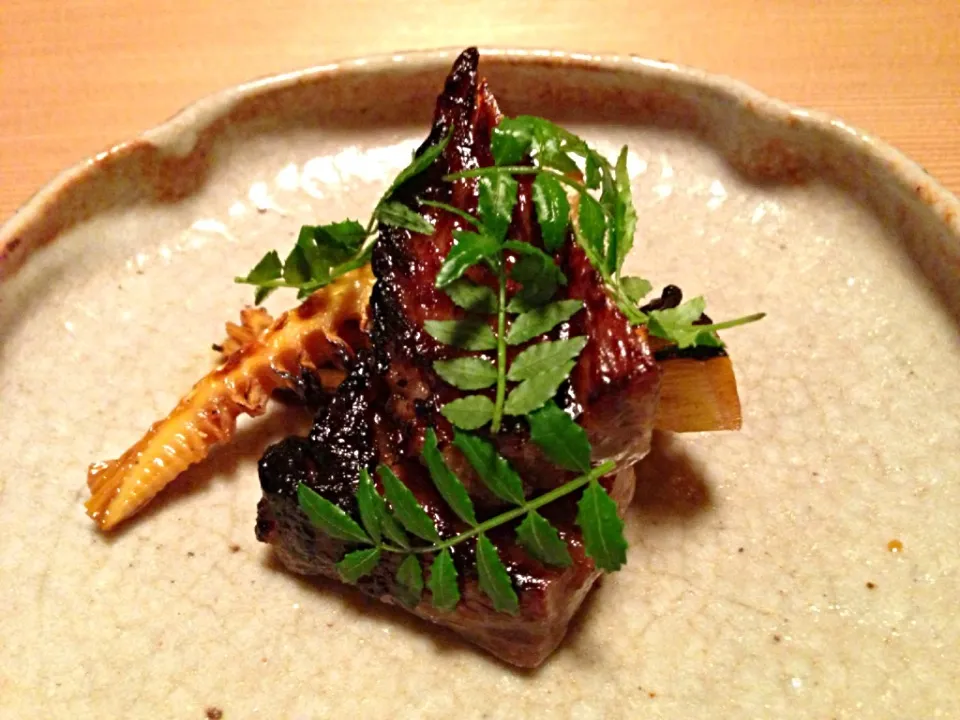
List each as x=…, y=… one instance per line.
x=380, y=413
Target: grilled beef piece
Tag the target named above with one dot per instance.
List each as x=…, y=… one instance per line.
x=613, y=389
x=392, y=395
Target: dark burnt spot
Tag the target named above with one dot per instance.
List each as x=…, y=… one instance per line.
x=285, y=465
x=353, y=334
x=670, y=297
x=214, y=713
x=304, y=388
x=700, y=352
x=423, y=409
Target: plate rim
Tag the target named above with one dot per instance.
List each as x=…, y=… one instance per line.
x=177, y=134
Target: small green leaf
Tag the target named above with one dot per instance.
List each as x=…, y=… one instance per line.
x=534, y=393
x=374, y=514
x=494, y=580
x=497, y=198
x=346, y=235
x=357, y=564
x=318, y=264
x=541, y=320
x=510, y=141
x=467, y=333
x=467, y=373
x=472, y=297
x=546, y=261
x=296, y=269
x=493, y=469
x=328, y=517
x=269, y=268
x=591, y=231
x=676, y=328
x=549, y=143
x=369, y=508
x=551, y=153
x=593, y=164
x=544, y=357
x=261, y=294
x=543, y=131
x=553, y=210
x=560, y=437
x=443, y=582
x=676, y=324
x=521, y=302
x=406, y=507
x=684, y=314
x=326, y=246
x=390, y=527
x=399, y=215
x=608, y=185
x=539, y=538
x=410, y=581
x=537, y=273
x=469, y=413
x=636, y=288
x=704, y=337
x=469, y=249
x=602, y=528
x=420, y=163
x=467, y=217
x=448, y=484
x=624, y=216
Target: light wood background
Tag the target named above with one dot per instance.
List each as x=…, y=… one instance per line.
x=79, y=75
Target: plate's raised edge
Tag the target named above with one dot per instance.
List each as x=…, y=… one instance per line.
x=178, y=135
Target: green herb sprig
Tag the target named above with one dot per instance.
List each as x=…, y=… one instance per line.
x=539, y=369
x=386, y=526
x=604, y=226
x=323, y=253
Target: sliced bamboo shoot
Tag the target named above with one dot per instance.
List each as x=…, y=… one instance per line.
x=315, y=335
x=698, y=396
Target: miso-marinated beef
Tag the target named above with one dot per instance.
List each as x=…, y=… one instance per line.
x=392, y=394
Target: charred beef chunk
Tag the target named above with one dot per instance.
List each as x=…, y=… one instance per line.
x=380, y=413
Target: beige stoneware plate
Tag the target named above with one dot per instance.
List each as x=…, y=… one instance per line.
x=761, y=580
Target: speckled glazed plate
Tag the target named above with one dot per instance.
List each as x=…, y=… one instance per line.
x=806, y=566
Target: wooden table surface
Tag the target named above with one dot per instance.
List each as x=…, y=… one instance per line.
x=79, y=75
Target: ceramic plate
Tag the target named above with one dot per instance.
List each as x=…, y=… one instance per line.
x=806, y=566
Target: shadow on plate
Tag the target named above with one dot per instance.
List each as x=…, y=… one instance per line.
x=671, y=484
